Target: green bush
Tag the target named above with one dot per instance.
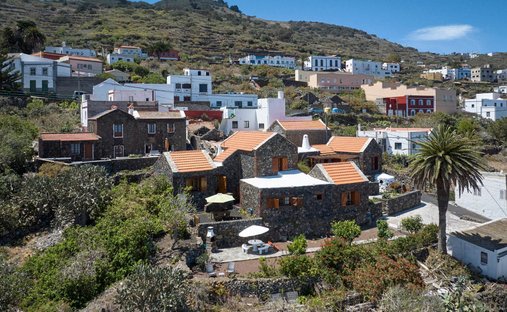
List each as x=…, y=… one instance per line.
x=347, y=230
x=412, y=224
x=298, y=245
x=383, y=231
x=297, y=266
x=428, y=235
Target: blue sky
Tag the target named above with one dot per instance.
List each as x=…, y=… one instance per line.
x=440, y=26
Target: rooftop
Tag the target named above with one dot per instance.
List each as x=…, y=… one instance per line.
x=289, y=178
x=242, y=140
x=189, y=161
x=324, y=149
x=160, y=115
x=348, y=144
x=302, y=124
x=343, y=172
x=404, y=129
x=82, y=58
x=69, y=137
x=491, y=235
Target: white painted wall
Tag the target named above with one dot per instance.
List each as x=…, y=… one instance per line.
x=487, y=105
x=491, y=201
x=140, y=95
x=112, y=58
x=396, y=142
x=71, y=51
x=366, y=68
x=276, y=61
x=320, y=63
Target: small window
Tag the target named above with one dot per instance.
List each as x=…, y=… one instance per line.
x=170, y=128
x=286, y=201
x=75, y=148
x=117, y=130
x=428, y=102
x=33, y=71
x=119, y=151
x=219, y=103
x=44, y=71
x=261, y=126
x=234, y=125
x=397, y=146
x=319, y=196
x=186, y=86
x=247, y=124
x=484, y=258
x=152, y=128
x=203, y=88
x=238, y=103
x=178, y=86
x=249, y=103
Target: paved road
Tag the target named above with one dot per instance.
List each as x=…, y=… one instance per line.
x=455, y=209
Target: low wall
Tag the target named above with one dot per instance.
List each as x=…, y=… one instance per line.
x=227, y=231
x=111, y=165
x=401, y=202
x=373, y=188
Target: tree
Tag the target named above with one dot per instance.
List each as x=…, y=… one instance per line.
x=154, y=289
x=25, y=38
x=347, y=230
x=9, y=77
x=383, y=231
x=498, y=130
x=17, y=136
x=158, y=47
x=446, y=159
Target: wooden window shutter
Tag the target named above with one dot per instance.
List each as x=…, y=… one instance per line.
x=356, y=198
x=275, y=164
x=204, y=184
x=285, y=163
x=188, y=182
x=344, y=199
x=276, y=203
x=300, y=201
x=270, y=203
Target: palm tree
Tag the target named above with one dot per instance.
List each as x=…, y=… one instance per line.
x=446, y=159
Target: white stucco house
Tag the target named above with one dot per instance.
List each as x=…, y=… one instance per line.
x=373, y=68
x=483, y=248
x=66, y=50
x=126, y=54
x=321, y=63
x=491, y=200
x=38, y=75
x=392, y=67
x=276, y=61
x=397, y=141
x=487, y=105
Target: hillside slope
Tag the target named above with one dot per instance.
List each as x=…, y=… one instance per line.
x=205, y=28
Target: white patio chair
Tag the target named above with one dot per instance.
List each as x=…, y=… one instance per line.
x=231, y=268
x=245, y=248
x=210, y=270
x=263, y=249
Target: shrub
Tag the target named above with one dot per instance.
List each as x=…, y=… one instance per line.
x=428, y=235
x=16, y=135
x=297, y=266
x=383, y=231
x=372, y=280
x=13, y=285
x=397, y=299
x=154, y=289
x=347, y=230
x=298, y=245
x=412, y=224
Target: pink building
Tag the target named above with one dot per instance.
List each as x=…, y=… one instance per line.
x=84, y=66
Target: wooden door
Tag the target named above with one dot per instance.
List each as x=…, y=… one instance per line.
x=222, y=184
x=88, y=151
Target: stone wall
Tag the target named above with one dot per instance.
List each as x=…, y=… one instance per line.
x=227, y=232
x=374, y=188
x=401, y=202
x=277, y=146
x=112, y=166
x=366, y=159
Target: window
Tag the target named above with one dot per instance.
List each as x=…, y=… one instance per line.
x=234, y=125
x=249, y=103
x=488, y=114
x=203, y=88
x=186, y=86
x=45, y=87
x=117, y=130
x=428, y=102
x=75, y=149
x=197, y=184
x=374, y=163
x=247, y=124
x=261, y=126
x=178, y=86
x=414, y=146
x=238, y=103
x=44, y=71
x=319, y=196
x=171, y=128
x=176, y=99
x=350, y=198
x=152, y=128
x=273, y=203
x=33, y=86
x=397, y=146
x=118, y=150
x=412, y=102
x=420, y=102
x=412, y=112
x=219, y=103
x=280, y=164
x=33, y=71
x=286, y=201
x=187, y=99
x=484, y=258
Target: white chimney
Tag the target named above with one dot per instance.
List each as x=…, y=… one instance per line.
x=281, y=95
x=358, y=128
x=219, y=150
x=306, y=143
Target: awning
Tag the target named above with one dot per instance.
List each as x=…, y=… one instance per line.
x=219, y=199
x=253, y=230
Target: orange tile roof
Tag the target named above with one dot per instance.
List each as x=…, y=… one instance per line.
x=348, y=144
x=324, y=149
x=242, y=140
x=344, y=172
x=302, y=124
x=80, y=136
x=191, y=161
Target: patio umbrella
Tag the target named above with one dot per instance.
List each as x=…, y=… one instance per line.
x=219, y=199
x=253, y=230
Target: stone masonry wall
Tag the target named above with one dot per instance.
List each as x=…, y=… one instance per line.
x=402, y=202
x=112, y=165
x=227, y=231
x=277, y=146
x=365, y=160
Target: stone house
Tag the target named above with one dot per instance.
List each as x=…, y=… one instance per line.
x=294, y=130
x=74, y=146
x=292, y=203
x=364, y=151
x=138, y=132
x=249, y=154
x=192, y=170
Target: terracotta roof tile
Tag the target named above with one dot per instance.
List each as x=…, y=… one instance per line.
x=242, y=140
x=324, y=149
x=302, y=124
x=80, y=136
x=344, y=172
x=348, y=144
x=191, y=161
